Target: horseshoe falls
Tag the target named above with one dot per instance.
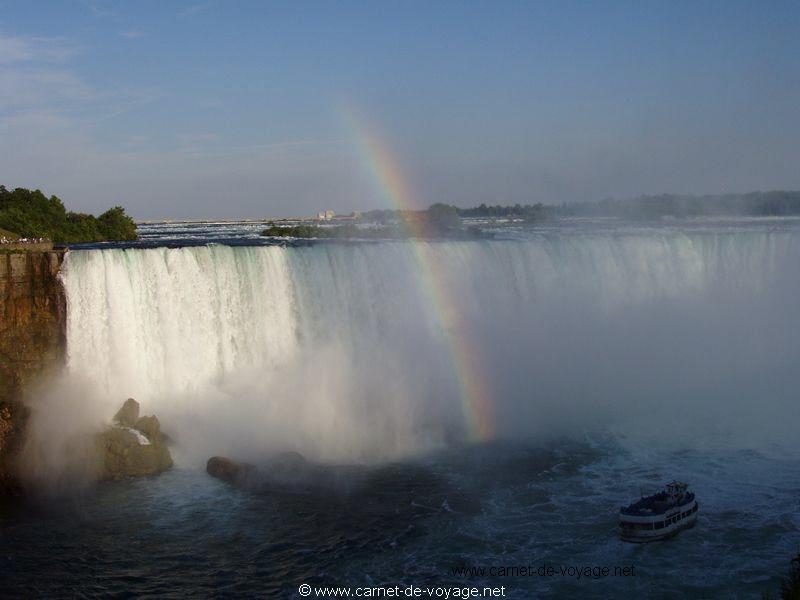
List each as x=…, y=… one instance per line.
x=336, y=350
x=458, y=404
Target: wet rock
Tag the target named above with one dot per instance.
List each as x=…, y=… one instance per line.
x=32, y=310
x=6, y=423
x=11, y=424
x=285, y=471
x=134, y=447
x=230, y=471
x=151, y=428
x=32, y=342
x=128, y=415
x=122, y=455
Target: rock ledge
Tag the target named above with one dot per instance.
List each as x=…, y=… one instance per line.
x=133, y=447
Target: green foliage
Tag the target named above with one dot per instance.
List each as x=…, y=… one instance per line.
x=116, y=225
x=336, y=231
x=529, y=212
x=31, y=214
x=754, y=204
x=440, y=220
x=9, y=235
x=297, y=231
x=443, y=216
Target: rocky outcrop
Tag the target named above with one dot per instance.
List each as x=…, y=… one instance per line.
x=133, y=447
x=32, y=317
x=151, y=428
x=20, y=246
x=286, y=470
x=12, y=417
x=32, y=339
x=230, y=471
x=32, y=344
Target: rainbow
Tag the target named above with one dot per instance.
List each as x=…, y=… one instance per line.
x=464, y=352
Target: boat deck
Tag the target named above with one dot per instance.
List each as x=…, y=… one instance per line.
x=655, y=505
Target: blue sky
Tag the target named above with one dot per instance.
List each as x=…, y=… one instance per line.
x=235, y=109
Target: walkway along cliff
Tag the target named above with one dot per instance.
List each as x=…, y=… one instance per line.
x=32, y=338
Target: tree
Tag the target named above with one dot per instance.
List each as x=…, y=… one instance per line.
x=443, y=216
x=29, y=213
x=116, y=225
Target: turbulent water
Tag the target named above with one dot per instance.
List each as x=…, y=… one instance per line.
x=614, y=358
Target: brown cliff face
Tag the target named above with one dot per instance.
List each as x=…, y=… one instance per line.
x=32, y=338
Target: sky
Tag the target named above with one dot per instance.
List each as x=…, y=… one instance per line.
x=227, y=109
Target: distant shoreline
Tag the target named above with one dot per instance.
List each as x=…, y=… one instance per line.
x=783, y=203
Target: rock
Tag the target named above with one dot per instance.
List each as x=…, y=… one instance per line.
x=229, y=470
x=288, y=470
x=32, y=310
x=121, y=455
x=32, y=343
x=6, y=424
x=133, y=447
x=150, y=427
x=11, y=425
x=128, y=415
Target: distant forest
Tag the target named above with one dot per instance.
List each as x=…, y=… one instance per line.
x=439, y=220
x=31, y=214
x=755, y=204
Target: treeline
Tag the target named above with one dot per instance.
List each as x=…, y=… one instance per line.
x=528, y=212
x=753, y=204
x=439, y=217
x=315, y=231
x=31, y=214
x=439, y=220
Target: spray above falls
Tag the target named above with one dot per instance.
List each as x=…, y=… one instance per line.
x=337, y=351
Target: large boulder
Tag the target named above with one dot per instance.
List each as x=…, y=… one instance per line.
x=134, y=446
x=229, y=470
x=128, y=414
x=287, y=470
x=151, y=428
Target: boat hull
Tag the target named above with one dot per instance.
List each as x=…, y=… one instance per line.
x=640, y=529
x=643, y=537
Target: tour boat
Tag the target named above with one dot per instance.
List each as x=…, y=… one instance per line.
x=659, y=516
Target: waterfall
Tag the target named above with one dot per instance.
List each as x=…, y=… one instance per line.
x=335, y=349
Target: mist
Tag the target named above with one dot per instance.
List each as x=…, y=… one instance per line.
x=336, y=352
x=58, y=456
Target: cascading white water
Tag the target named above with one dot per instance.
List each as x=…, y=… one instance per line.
x=156, y=322
x=336, y=350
